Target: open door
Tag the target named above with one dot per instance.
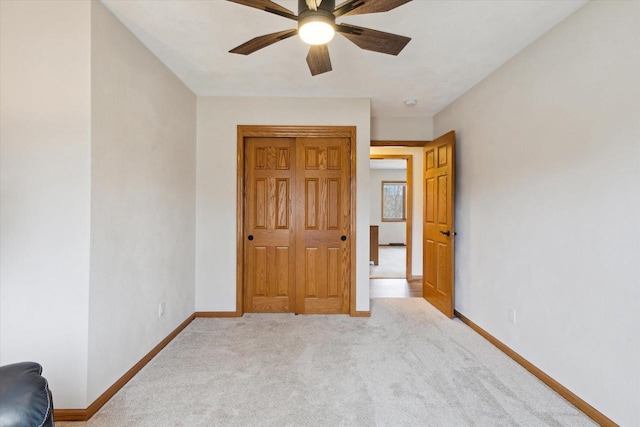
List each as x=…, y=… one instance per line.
x=439, y=231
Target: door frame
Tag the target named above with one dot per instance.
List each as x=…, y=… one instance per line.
x=409, y=220
x=247, y=131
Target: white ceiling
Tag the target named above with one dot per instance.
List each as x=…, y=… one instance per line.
x=455, y=44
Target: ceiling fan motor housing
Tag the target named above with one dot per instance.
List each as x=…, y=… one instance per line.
x=316, y=21
x=324, y=12
x=325, y=5
x=316, y=16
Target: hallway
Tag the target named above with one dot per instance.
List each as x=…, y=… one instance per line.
x=392, y=263
x=395, y=288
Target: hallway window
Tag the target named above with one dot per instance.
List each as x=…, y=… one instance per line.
x=394, y=201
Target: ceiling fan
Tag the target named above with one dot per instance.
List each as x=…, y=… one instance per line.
x=317, y=26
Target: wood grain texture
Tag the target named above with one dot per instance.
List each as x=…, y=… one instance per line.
x=269, y=279
x=283, y=131
x=70, y=415
x=318, y=59
x=389, y=143
x=374, y=244
x=217, y=314
x=323, y=197
x=330, y=160
x=409, y=224
x=359, y=7
x=439, y=199
x=352, y=237
x=240, y=223
x=373, y=40
x=260, y=42
x=361, y=314
x=76, y=414
x=571, y=397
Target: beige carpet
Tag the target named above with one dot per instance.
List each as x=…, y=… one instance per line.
x=392, y=263
x=407, y=365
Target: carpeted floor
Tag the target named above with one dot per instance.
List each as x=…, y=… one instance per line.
x=392, y=263
x=407, y=365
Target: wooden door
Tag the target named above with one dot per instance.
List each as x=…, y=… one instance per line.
x=323, y=214
x=269, y=240
x=439, y=230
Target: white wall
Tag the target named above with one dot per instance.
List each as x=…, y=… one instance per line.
x=549, y=204
x=388, y=232
x=45, y=153
x=143, y=201
x=218, y=118
x=402, y=128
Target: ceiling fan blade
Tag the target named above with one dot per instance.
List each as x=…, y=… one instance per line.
x=318, y=59
x=359, y=7
x=258, y=43
x=312, y=4
x=268, y=6
x=374, y=40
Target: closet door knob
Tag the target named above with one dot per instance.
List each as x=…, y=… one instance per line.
x=343, y=238
x=250, y=237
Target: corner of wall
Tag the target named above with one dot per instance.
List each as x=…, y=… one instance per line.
x=143, y=201
x=547, y=148
x=45, y=185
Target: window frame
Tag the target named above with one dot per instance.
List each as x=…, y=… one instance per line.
x=404, y=202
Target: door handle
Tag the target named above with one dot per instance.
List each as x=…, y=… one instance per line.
x=446, y=233
x=250, y=237
x=343, y=238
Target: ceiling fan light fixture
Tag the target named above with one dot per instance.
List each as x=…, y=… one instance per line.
x=317, y=25
x=316, y=29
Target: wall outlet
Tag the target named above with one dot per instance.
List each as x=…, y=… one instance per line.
x=512, y=315
x=161, y=309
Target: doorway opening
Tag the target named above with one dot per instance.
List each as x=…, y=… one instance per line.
x=390, y=216
x=391, y=227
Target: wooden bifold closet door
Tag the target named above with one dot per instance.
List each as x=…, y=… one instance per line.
x=297, y=225
x=269, y=251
